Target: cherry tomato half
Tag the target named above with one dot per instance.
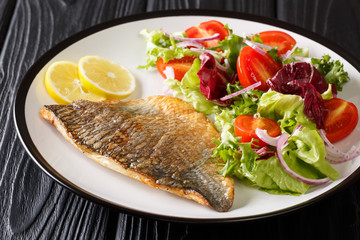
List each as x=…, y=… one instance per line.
x=245, y=126
x=180, y=66
x=279, y=39
x=254, y=67
x=207, y=29
x=341, y=118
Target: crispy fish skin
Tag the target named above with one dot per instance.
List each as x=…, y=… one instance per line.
x=160, y=140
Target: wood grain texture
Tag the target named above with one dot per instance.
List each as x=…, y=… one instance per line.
x=33, y=206
x=6, y=13
x=334, y=19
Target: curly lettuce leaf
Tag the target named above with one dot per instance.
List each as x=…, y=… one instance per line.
x=231, y=47
x=228, y=144
x=158, y=45
x=333, y=71
x=227, y=147
x=244, y=104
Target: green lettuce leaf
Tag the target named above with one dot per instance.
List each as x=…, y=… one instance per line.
x=298, y=52
x=333, y=71
x=286, y=109
x=271, y=177
x=227, y=147
x=305, y=153
x=228, y=144
x=158, y=46
x=231, y=47
x=328, y=94
x=189, y=90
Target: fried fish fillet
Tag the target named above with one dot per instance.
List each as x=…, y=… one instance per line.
x=161, y=141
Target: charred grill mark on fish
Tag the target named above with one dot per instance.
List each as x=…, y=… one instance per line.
x=161, y=141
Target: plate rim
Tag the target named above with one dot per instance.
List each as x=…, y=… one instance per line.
x=23, y=88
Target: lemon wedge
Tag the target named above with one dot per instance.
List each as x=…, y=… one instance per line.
x=105, y=77
x=63, y=84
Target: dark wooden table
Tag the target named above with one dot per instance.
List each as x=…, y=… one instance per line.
x=33, y=206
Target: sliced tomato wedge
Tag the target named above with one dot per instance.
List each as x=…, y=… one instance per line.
x=207, y=29
x=180, y=66
x=254, y=67
x=283, y=41
x=341, y=119
x=245, y=126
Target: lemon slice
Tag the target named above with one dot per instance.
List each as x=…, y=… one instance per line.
x=105, y=77
x=63, y=84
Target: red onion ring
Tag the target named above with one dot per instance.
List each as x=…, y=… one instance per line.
x=288, y=53
x=254, y=46
x=241, y=91
x=340, y=156
x=204, y=50
x=223, y=68
x=169, y=72
x=190, y=44
x=213, y=37
x=261, y=45
x=264, y=136
x=282, y=142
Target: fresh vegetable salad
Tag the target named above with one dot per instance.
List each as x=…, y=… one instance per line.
x=276, y=107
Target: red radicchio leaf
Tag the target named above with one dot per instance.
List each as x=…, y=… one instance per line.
x=264, y=153
x=297, y=71
x=314, y=105
x=213, y=80
x=303, y=79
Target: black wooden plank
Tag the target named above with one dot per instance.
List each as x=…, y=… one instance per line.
x=338, y=216
x=6, y=13
x=32, y=205
x=35, y=207
x=337, y=20
x=258, y=7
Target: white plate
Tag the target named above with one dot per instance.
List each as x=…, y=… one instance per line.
x=120, y=41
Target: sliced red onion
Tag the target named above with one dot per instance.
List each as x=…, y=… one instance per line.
x=212, y=52
x=335, y=160
x=213, y=37
x=288, y=53
x=261, y=45
x=169, y=72
x=221, y=67
x=241, y=91
x=340, y=156
x=246, y=35
x=281, y=143
x=257, y=115
x=264, y=136
x=298, y=128
x=190, y=44
x=254, y=46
